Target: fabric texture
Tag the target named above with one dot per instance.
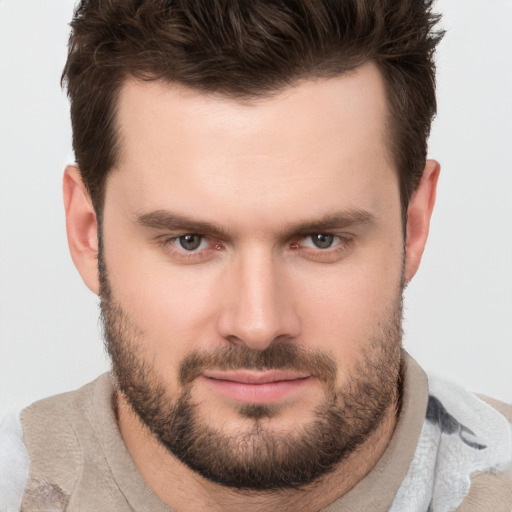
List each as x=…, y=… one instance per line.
x=14, y=463
x=461, y=436
x=451, y=451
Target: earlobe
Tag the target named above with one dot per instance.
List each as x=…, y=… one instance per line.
x=419, y=214
x=81, y=227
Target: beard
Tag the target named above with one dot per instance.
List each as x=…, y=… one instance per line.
x=258, y=457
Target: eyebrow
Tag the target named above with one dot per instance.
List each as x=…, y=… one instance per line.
x=172, y=221
x=337, y=220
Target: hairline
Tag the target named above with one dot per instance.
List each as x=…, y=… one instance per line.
x=389, y=129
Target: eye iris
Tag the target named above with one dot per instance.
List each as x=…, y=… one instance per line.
x=322, y=241
x=190, y=242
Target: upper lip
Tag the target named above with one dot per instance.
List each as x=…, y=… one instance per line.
x=254, y=376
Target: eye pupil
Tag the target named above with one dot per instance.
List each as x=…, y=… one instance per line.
x=322, y=241
x=190, y=242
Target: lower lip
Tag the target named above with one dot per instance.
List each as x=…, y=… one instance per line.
x=266, y=393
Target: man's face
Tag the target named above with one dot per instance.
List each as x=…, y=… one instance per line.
x=253, y=270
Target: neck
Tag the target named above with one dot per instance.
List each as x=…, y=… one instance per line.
x=182, y=489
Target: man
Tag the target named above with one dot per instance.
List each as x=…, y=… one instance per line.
x=251, y=197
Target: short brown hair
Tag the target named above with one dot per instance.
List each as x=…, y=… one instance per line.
x=244, y=49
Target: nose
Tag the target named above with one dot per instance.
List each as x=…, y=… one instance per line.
x=258, y=306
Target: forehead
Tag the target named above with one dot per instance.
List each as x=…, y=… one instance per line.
x=314, y=107
x=318, y=135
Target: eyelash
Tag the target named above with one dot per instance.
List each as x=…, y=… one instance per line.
x=345, y=241
x=168, y=244
x=328, y=255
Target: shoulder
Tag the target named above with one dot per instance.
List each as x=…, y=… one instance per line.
x=502, y=407
x=476, y=438
x=51, y=430
x=491, y=490
x=59, y=415
x=463, y=457
x=14, y=463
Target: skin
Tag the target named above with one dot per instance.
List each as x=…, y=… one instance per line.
x=256, y=170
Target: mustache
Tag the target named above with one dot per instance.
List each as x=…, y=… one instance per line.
x=281, y=356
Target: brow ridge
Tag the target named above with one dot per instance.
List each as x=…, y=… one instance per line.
x=173, y=221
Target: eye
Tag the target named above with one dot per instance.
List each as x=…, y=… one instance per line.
x=324, y=247
x=190, y=247
x=189, y=242
x=322, y=240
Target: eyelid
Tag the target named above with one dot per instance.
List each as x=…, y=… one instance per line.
x=312, y=246
x=167, y=243
x=336, y=252
x=342, y=237
x=329, y=255
x=176, y=239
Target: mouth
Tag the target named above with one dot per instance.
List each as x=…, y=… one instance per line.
x=256, y=387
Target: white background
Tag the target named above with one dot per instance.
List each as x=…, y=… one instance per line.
x=458, y=308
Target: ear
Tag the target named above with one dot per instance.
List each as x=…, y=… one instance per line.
x=419, y=213
x=81, y=227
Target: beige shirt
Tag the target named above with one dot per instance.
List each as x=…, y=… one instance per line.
x=79, y=461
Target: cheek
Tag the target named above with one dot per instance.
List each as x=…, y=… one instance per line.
x=347, y=307
x=174, y=307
